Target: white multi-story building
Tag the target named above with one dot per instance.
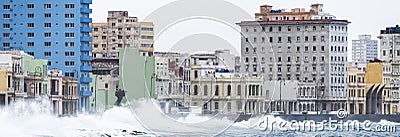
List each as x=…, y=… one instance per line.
x=364, y=49
x=298, y=46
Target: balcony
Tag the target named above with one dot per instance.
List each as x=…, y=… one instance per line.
x=86, y=20
x=86, y=10
x=86, y=29
x=86, y=68
x=86, y=1
x=86, y=58
x=86, y=48
x=85, y=79
x=85, y=93
x=86, y=38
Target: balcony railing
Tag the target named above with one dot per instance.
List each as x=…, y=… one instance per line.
x=86, y=29
x=86, y=1
x=86, y=68
x=86, y=79
x=86, y=48
x=86, y=38
x=86, y=58
x=86, y=20
x=86, y=10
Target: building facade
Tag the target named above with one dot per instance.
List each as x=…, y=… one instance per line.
x=54, y=30
x=364, y=49
x=121, y=31
x=356, y=89
x=310, y=50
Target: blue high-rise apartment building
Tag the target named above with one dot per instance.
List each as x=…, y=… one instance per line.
x=56, y=30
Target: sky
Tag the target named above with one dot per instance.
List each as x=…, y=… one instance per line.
x=366, y=17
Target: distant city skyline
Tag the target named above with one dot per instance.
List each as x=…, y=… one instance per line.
x=366, y=18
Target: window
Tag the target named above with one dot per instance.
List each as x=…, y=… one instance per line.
x=71, y=15
x=289, y=28
x=216, y=90
x=47, y=54
x=255, y=39
x=270, y=39
x=31, y=25
x=31, y=44
x=279, y=28
x=31, y=6
x=279, y=39
x=205, y=90
x=314, y=38
x=6, y=7
x=306, y=38
x=30, y=15
x=69, y=63
x=322, y=48
x=323, y=38
x=69, y=25
x=96, y=29
x=298, y=39
x=47, y=15
x=47, y=6
x=69, y=6
x=95, y=45
x=31, y=35
x=6, y=45
x=47, y=44
x=47, y=25
x=239, y=90
x=103, y=37
x=6, y=26
x=33, y=54
x=69, y=35
x=195, y=88
x=216, y=106
x=6, y=35
x=229, y=90
x=47, y=34
x=270, y=29
x=69, y=44
x=6, y=16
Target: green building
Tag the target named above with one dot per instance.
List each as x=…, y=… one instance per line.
x=136, y=74
x=36, y=69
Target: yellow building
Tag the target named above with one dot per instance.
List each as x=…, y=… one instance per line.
x=381, y=89
x=6, y=91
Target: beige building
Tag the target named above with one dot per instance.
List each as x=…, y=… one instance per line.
x=215, y=88
x=356, y=89
x=121, y=31
x=70, y=96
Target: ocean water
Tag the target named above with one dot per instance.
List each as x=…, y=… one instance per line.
x=27, y=118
